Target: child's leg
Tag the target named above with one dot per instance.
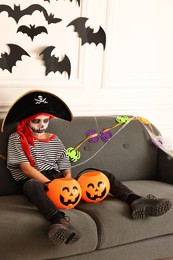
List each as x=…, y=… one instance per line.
x=119, y=190
x=140, y=207
x=61, y=230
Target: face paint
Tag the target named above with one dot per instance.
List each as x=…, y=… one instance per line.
x=39, y=124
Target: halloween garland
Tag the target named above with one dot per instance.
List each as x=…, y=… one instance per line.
x=106, y=135
x=52, y=63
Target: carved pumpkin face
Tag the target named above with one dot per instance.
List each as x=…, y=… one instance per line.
x=64, y=192
x=95, y=186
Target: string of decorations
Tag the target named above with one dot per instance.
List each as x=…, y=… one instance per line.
x=106, y=135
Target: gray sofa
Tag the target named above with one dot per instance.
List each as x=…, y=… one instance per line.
x=108, y=231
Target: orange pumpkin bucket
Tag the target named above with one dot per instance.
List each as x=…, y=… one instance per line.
x=64, y=192
x=95, y=186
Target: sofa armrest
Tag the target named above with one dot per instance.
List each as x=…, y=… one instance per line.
x=164, y=167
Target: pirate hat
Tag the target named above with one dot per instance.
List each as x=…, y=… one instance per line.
x=35, y=102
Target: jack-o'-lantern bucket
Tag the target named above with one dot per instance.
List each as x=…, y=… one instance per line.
x=95, y=186
x=64, y=192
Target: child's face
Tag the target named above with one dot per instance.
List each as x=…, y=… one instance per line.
x=39, y=124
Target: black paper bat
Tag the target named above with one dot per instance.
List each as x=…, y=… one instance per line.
x=87, y=34
x=52, y=63
x=32, y=31
x=7, y=61
x=17, y=13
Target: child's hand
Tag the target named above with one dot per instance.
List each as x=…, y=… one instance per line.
x=66, y=173
x=46, y=184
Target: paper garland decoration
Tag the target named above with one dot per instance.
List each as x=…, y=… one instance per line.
x=93, y=136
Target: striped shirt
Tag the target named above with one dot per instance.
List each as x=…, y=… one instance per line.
x=47, y=155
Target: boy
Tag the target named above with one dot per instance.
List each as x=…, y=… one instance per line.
x=36, y=157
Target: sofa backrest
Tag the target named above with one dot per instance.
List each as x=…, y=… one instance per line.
x=129, y=154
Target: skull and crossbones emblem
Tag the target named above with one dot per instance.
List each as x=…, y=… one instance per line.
x=40, y=100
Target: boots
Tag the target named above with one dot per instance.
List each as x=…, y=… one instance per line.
x=149, y=207
x=63, y=231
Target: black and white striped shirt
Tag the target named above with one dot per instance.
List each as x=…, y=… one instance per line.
x=47, y=155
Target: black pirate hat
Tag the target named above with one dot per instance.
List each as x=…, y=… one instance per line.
x=35, y=102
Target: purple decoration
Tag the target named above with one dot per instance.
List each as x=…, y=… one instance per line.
x=105, y=136
x=93, y=139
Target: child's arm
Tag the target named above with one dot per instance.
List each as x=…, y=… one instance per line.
x=32, y=173
x=66, y=173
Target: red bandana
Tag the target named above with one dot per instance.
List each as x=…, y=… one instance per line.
x=26, y=137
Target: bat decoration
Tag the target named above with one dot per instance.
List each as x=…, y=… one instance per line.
x=16, y=13
x=32, y=31
x=87, y=34
x=52, y=63
x=8, y=61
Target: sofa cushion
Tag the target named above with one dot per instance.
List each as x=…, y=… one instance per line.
x=24, y=232
x=114, y=223
x=159, y=248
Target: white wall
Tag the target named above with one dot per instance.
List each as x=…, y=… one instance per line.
x=134, y=75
